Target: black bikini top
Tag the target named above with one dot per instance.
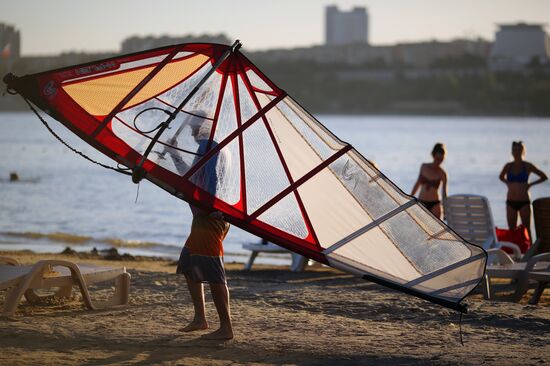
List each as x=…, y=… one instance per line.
x=521, y=177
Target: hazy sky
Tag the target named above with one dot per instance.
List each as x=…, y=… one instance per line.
x=52, y=26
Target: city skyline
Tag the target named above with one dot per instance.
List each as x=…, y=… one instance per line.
x=260, y=26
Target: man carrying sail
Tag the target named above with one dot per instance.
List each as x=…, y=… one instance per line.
x=201, y=258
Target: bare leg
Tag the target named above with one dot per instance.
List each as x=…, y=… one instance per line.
x=525, y=214
x=197, y=295
x=220, y=295
x=512, y=216
x=436, y=210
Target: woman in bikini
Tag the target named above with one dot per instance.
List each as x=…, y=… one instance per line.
x=516, y=176
x=431, y=177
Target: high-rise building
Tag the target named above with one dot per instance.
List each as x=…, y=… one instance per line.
x=9, y=42
x=346, y=27
x=518, y=45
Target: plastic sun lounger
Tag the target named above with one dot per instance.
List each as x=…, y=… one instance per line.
x=299, y=262
x=543, y=278
x=21, y=280
x=522, y=272
x=471, y=217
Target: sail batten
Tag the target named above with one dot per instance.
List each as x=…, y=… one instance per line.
x=369, y=226
x=266, y=163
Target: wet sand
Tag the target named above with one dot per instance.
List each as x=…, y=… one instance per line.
x=319, y=317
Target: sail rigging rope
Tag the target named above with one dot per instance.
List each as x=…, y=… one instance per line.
x=170, y=143
x=460, y=329
x=143, y=132
x=118, y=169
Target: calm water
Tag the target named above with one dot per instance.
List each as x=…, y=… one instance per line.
x=61, y=192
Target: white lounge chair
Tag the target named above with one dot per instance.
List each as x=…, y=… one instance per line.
x=543, y=278
x=471, y=217
x=521, y=272
x=298, y=264
x=19, y=280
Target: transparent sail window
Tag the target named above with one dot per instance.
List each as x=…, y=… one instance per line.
x=285, y=215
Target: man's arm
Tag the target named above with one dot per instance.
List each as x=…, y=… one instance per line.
x=181, y=166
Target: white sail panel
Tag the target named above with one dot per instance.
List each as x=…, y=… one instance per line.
x=263, y=99
x=257, y=82
x=227, y=118
x=205, y=101
x=333, y=212
x=285, y=215
x=324, y=142
x=177, y=94
x=227, y=167
x=298, y=154
x=265, y=174
x=136, y=126
x=375, y=193
x=456, y=282
x=248, y=107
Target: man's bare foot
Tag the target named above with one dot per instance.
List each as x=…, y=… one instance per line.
x=220, y=334
x=195, y=325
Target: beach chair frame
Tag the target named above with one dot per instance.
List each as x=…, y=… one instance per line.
x=471, y=217
x=299, y=263
x=543, y=278
x=47, y=274
x=521, y=272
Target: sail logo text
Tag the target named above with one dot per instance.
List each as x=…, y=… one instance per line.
x=92, y=69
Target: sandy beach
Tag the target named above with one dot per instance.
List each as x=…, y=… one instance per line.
x=320, y=317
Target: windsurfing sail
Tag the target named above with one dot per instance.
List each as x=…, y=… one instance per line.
x=285, y=177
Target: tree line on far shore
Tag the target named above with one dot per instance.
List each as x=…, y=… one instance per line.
x=457, y=86
x=454, y=86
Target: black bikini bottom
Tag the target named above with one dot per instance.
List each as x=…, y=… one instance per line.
x=429, y=204
x=517, y=205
